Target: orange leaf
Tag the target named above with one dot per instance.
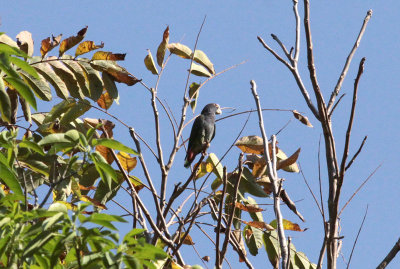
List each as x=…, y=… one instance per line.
x=123, y=77
x=48, y=45
x=71, y=41
x=105, y=55
x=248, y=208
x=86, y=198
x=127, y=162
x=301, y=118
x=260, y=225
x=105, y=101
x=83, y=188
x=86, y=47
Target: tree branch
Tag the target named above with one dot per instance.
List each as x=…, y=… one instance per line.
x=392, y=253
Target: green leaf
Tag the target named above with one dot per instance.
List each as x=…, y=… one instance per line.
x=248, y=184
x=49, y=222
x=58, y=207
x=179, y=49
x=199, y=70
x=26, y=110
x=11, y=50
x=113, y=144
x=94, y=78
x=257, y=216
x=24, y=66
x=39, y=86
x=9, y=178
x=79, y=73
x=31, y=145
x=201, y=58
x=48, y=73
x=194, y=94
x=54, y=138
x=109, y=85
x=149, y=63
x=272, y=247
x=5, y=103
x=23, y=90
x=68, y=77
x=75, y=111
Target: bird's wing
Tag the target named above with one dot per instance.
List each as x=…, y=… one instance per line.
x=198, y=133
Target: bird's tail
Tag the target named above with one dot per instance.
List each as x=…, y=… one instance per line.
x=189, y=158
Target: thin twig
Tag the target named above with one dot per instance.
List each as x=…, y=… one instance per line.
x=309, y=188
x=389, y=257
x=335, y=105
x=355, y=155
x=218, y=232
x=358, y=189
x=358, y=234
x=348, y=60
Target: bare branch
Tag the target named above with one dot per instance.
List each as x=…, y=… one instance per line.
x=279, y=58
x=272, y=174
x=358, y=234
x=274, y=37
x=218, y=232
x=312, y=193
x=393, y=252
x=336, y=104
x=297, y=47
x=350, y=125
x=348, y=61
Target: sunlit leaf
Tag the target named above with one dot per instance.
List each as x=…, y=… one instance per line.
x=127, y=162
x=251, y=144
x=106, y=153
x=113, y=144
x=281, y=156
x=199, y=70
x=109, y=56
x=259, y=225
x=289, y=163
x=25, y=66
x=95, y=82
x=110, y=87
x=25, y=42
x=205, y=168
x=8, y=41
x=86, y=47
x=71, y=41
x=48, y=73
x=201, y=58
x=79, y=73
x=301, y=118
x=266, y=183
x=48, y=45
x=288, y=225
x=9, y=178
x=149, y=63
x=118, y=73
x=272, y=247
x=163, y=47
x=105, y=101
x=180, y=50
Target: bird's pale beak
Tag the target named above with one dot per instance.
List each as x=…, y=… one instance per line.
x=219, y=111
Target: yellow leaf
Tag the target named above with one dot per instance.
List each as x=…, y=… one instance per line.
x=162, y=47
x=201, y=58
x=180, y=50
x=301, y=118
x=48, y=45
x=105, y=101
x=105, y=55
x=69, y=206
x=199, y=70
x=149, y=63
x=71, y=41
x=127, y=162
x=205, y=168
x=288, y=225
x=187, y=240
x=86, y=47
x=251, y=144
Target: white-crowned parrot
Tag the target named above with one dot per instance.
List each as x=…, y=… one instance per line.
x=203, y=131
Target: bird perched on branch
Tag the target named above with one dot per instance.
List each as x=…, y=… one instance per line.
x=203, y=131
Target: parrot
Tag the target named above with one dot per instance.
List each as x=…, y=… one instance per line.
x=203, y=131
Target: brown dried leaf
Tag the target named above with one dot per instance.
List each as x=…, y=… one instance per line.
x=251, y=144
x=265, y=182
x=106, y=153
x=260, y=225
x=162, y=48
x=242, y=250
x=248, y=208
x=259, y=167
x=105, y=101
x=71, y=41
x=137, y=184
x=86, y=198
x=127, y=162
x=25, y=42
x=108, y=125
x=187, y=240
x=48, y=45
x=105, y=55
x=301, y=118
x=292, y=206
x=83, y=188
x=289, y=161
x=86, y=47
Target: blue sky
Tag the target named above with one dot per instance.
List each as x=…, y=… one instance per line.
x=228, y=38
